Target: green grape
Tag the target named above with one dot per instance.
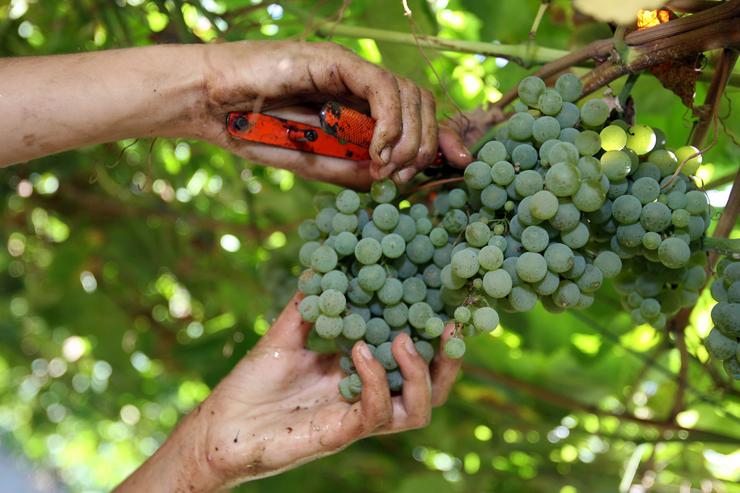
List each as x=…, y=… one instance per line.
x=370, y=230
x=346, y=364
x=589, y=197
x=344, y=222
x=680, y=218
x=372, y=277
x=309, y=282
x=332, y=302
x=567, y=217
x=591, y=279
x=353, y=327
x=641, y=139
x=454, y=348
x=651, y=240
x=520, y=126
x=697, y=228
x=493, y=197
x=324, y=219
x=732, y=367
x=630, y=235
x=420, y=250
x=626, y=209
x=569, y=135
x=588, y=143
x=696, y=202
x=529, y=90
x=396, y=315
x=345, y=391
x=477, y=234
x=568, y=115
x=426, y=350
x=345, y=243
x=665, y=160
x=613, y=138
x=309, y=231
x=406, y=228
x=547, y=285
x=368, y=251
x=559, y=257
x=323, y=259
x=562, y=179
x=462, y=314
x=535, y=238
x=478, y=175
x=357, y=294
x=328, y=327
x=550, y=102
x=419, y=313
x=646, y=189
x=522, y=298
x=545, y=149
x=594, y=113
x=465, y=263
x=585, y=301
x=502, y=173
x=414, y=290
x=335, y=280
x=731, y=273
x=385, y=217
x=492, y=152
x=720, y=346
x=569, y=86
x=306, y=252
x=309, y=308
x=696, y=276
x=726, y=317
x=423, y=226
x=650, y=308
x=528, y=183
x=347, y=201
x=655, y=217
x=442, y=255
x=383, y=191
x=439, y=237
x=647, y=169
x=576, y=237
x=603, y=215
x=384, y=354
x=545, y=128
x=616, y=165
x=674, y=253
x=457, y=198
x=391, y=292
x=567, y=295
x=417, y=211
x=692, y=164
x=563, y=152
x=497, y=283
x=490, y=257
x=524, y=155
x=393, y=245
x=531, y=267
x=377, y=331
x=544, y=204
x=485, y=319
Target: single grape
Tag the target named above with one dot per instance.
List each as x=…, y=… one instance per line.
x=324, y=219
x=423, y=226
x=477, y=234
x=591, y=279
x=432, y=276
x=384, y=354
x=691, y=158
x=309, y=231
x=576, y=237
x=626, y=209
x=720, y=346
x=569, y=135
x=502, y=173
x=309, y=282
x=608, y=263
x=462, y=314
x=548, y=285
x=569, y=86
x=420, y=250
x=674, y=253
x=493, y=197
x=616, y=165
x=323, y=259
x=485, y=319
x=641, y=139
x=535, y=238
x=347, y=201
x=559, y=257
x=680, y=218
x=492, y=152
x=522, y=298
x=567, y=295
x=630, y=235
x=544, y=204
x=696, y=202
x=531, y=267
x=520, y=126
x=457, y=198
x=426, y=350
x=646, y=189
x=372, y=277
x=353, y=326
x=396, y=315
x=377, y=331
x=588, y=143
x=345, y=243
x=562, y=179
x=550, y=102
x=567, y=217
x=439, y=237
x=497, y=283
x=529, y=90
x=335, y=280
x=594, y=113
x=465, y=263
x=454, y=348
x=393, y=245
x=383, y=191
x=523, y=155
x=419, y=313
x=589, y=197
x=490, y=257
x=414, y=290
x=613, y=138
x=655, y=216
x=478, y=175
x=528, y=183
x=545, y=128
x=391, y=292
x=385, y=217
x=563, y=152
x=328, y=327
x=309, y=308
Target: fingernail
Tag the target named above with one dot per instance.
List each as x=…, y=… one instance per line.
x=385, y=154
x=408, y=344
x=365, y=351
x=406, y=174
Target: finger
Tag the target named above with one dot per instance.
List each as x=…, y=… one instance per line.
x=289, y=330
x=374, y=409
x=453, y=148
x=340, y=69
x=417, y=389
x=407, y=147
x=429, y=140
x=444, y=370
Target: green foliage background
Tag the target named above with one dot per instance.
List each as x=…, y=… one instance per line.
x=121, y=304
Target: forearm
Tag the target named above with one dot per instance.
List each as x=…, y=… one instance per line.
x=180, y=465
x=54, y=103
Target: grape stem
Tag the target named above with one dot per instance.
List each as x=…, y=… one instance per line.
x=723, y=246
x=435, y=184
x=708, y=112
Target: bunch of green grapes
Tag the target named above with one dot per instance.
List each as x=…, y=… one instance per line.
x=560, y=200
x=723, y=340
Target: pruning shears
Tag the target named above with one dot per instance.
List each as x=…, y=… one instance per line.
x=343, y=132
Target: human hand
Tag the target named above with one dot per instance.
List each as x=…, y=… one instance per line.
x=280, y=406
x=276, y=76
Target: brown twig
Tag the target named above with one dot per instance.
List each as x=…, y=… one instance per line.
x=728, y=219
x=711, y=106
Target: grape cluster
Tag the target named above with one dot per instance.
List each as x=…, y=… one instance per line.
x=723, y=340
x=560, y=200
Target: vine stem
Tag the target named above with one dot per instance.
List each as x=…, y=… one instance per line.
x=713, y=98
